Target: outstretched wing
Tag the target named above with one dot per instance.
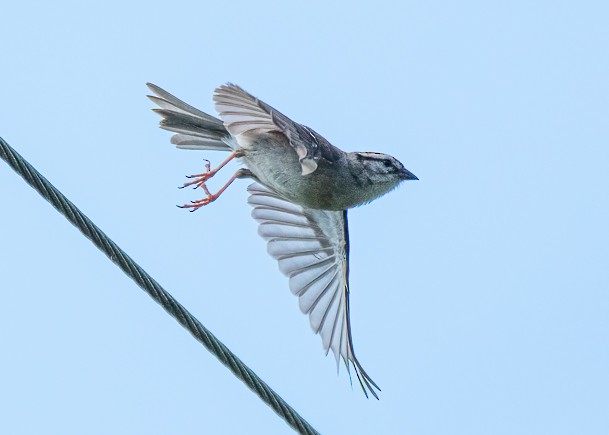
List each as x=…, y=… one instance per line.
x=244, y=114
x=312, y=249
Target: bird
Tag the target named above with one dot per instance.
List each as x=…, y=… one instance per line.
x=303, y=188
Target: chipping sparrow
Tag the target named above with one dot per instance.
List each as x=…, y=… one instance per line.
x=304, y=186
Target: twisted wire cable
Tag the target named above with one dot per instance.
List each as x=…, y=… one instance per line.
x=153, y=288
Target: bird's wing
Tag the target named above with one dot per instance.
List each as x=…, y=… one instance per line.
x=312, y=249
x=244, y=114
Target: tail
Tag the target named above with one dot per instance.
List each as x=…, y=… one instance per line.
x=196, y=130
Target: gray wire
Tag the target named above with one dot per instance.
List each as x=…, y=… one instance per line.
x=154, y=289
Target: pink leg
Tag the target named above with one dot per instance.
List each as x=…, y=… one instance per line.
x=200, y=179
x=211, y=197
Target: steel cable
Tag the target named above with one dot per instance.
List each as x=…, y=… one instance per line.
x=153, y=288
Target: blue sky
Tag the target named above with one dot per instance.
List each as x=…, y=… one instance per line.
x=480, y=294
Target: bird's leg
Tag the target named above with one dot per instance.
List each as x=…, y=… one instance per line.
x=211, y=197
x=200, y=179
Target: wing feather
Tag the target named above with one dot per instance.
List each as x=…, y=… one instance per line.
x=244, y=114
x=311, y=248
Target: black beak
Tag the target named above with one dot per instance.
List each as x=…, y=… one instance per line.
x=407, y=175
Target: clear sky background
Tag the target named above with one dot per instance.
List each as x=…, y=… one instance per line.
x=480, y=294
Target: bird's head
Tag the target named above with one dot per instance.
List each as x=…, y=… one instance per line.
x=382, y=168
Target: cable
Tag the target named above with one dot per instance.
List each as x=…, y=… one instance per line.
x=153, y=288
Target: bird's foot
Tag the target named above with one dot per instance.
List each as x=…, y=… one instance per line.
x=211, y=197
x=196, y=205
x=200, y=179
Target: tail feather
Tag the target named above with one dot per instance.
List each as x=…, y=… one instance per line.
x=196, y=129
x=181, y=123
x=189, y=142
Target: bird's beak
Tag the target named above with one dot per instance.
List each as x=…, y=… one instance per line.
x=407, y=175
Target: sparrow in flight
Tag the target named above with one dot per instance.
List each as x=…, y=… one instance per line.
x=303, y=187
